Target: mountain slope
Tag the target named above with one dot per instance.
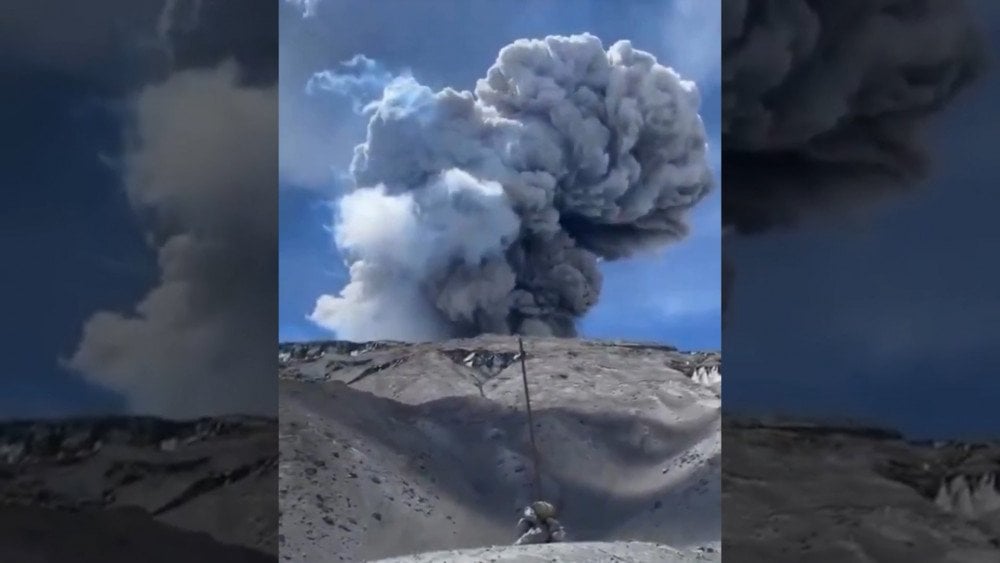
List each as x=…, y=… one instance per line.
x=807, y=492
x=215, y=476
x=389, y=449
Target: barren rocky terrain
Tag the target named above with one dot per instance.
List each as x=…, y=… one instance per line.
x=577, y=552
x=133, y=488
x=812, y=492
x=391, y=449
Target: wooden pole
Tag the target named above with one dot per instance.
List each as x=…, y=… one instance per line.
x=531, y=424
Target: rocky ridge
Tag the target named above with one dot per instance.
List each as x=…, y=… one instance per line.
x=329, y=360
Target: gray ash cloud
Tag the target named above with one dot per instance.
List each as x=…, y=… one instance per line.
x=489, y=211
x=199, y=167
x=826, y=105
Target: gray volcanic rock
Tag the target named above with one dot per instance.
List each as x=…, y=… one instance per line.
x=580, y=552
x=810, y=492
x=390, y=449
x=216, y=476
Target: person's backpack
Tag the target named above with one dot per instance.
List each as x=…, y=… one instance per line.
x=543, y=510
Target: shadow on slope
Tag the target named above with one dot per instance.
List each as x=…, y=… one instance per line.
x=31, y=534
x=614, y=475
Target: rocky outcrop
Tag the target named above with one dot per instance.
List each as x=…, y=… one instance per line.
x=312, y=351
x=70, y=440
x=487, y=363
x=971, y=496
x=820, y=492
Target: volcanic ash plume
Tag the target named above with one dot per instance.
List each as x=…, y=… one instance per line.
x=489, y=211
x=825, y=103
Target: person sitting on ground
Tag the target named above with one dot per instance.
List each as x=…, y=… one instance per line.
x=539, y=525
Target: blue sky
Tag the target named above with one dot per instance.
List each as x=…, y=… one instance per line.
x=672, y=296
x=70, y=241
x=892, y=318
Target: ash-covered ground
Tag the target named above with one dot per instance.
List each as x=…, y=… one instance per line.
x=390, y=449
x=577, y=552
x=138, y=489
x=811, y=492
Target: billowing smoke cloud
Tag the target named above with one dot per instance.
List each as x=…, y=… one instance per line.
x=197, y=82
x=201, y=166
x=826, y=104
x=489, y=211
